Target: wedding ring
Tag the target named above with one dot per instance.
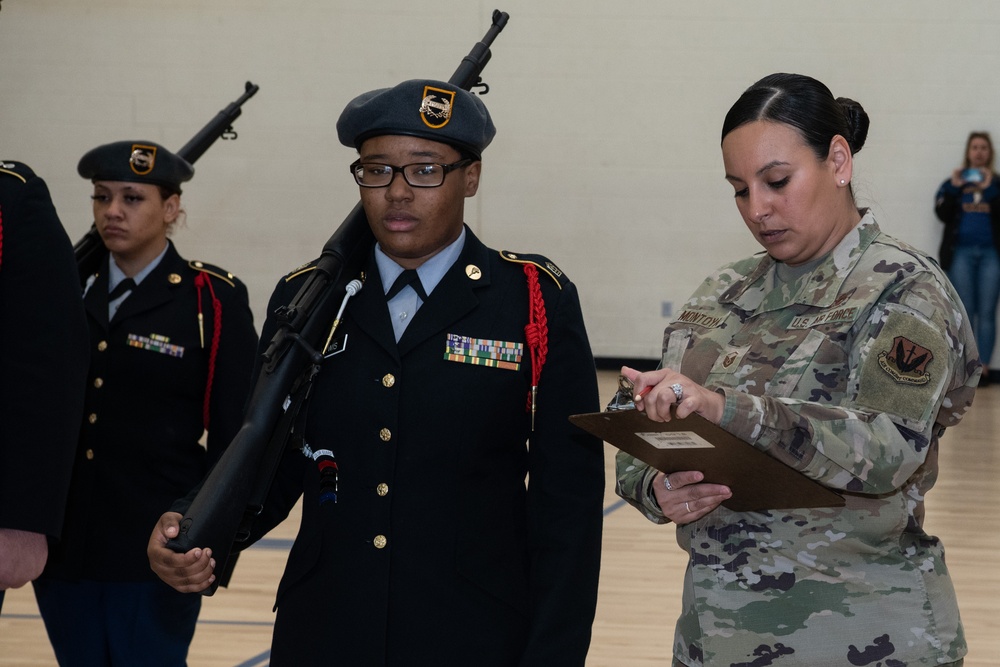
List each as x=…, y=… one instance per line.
x=678, y=391
x=666, y=483
x=687, y=507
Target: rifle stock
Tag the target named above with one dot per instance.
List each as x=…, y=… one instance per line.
x=234, y=490
x=90, y=250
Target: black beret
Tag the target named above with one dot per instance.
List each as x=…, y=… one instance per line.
x=423, y=108
x=135, y=161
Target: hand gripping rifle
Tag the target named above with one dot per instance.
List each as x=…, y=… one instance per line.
x=90, y=250
x=234, y=491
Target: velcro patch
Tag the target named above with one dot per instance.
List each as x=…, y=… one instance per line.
x=903, y=369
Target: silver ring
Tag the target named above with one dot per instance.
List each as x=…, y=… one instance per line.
x=687, y=507
x=666, y=483
x=678, y=391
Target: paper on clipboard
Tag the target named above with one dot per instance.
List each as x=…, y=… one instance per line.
x=758, y=481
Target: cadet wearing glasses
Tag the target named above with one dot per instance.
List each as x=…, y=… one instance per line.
x=464, y=523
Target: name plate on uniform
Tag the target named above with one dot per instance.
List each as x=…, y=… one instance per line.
x=758, y=481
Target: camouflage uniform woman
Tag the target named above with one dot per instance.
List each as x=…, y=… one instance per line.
x=843, y=353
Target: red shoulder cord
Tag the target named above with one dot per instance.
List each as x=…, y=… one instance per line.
x=200, y=281
x=536, y=333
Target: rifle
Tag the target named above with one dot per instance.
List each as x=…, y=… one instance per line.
x=90, y=250
x=233, y=493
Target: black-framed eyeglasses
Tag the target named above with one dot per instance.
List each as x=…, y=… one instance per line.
x=418, y=174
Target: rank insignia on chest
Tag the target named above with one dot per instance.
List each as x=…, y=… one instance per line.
x=731, y=360
x=906, y=361
x=156, y=343
x=483, y=352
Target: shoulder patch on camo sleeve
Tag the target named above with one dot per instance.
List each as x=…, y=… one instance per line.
x=901, y=374
x=906, y=362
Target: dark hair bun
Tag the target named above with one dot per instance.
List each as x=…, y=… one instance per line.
x=857, y=123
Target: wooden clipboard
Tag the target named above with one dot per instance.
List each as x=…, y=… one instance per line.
x=758, y=481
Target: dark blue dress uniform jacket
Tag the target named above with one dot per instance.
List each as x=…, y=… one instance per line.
x=435, y=553
x=43, y=355
x=143, y=418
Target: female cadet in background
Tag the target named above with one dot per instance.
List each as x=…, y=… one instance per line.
x=172, y=345
x=843, y=353
x=970, y=250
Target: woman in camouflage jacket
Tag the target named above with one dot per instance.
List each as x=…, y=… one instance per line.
x=841, y=352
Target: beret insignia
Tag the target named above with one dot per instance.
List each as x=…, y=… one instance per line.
x=436, y=106
x=143, y=159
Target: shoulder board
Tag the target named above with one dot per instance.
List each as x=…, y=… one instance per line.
x=219, y=273
x=298, y=271
x=16, y=170
x=542, y=262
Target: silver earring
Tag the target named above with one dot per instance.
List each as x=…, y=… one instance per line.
x=843, y=182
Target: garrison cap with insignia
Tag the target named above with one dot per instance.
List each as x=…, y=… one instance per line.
x=422, y=108
x=137, y=162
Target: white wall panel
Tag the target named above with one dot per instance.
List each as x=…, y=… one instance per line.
x=607, y=157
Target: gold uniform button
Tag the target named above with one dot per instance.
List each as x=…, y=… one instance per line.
x=92, y=418
x=385, y=434
x=103, y=345
x=382, y=489
x=388, y=380
x=90, y=454
x=174, y=279
x=380, y=541
x=98, y=382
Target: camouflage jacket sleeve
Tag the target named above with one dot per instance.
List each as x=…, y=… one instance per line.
x=846, y=373
x=912, y=371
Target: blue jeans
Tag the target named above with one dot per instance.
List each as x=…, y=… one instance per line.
x=975, y=273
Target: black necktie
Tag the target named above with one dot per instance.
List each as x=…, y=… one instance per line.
x=124, y=286
x=407, y=277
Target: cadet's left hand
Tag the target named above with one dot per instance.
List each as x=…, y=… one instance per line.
x=669, y=388
x=190, y=572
